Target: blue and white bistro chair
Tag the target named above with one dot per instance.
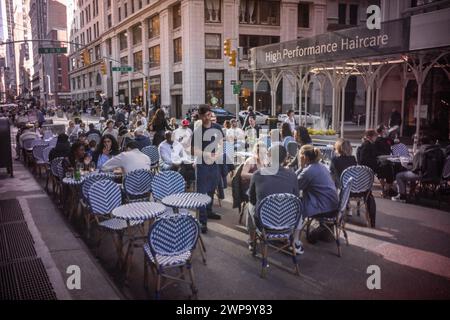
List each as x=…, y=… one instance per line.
x=361, y=187
x=166, y=183
x=57, y=174
x=171, y=242
x=85, y=204
x=137, y=185
x=277, y=217
x=104, y=197
x=400, y=150
x=335, y=219
x=153, y=153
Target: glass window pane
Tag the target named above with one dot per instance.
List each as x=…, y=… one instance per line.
x=177, y=50
x=213, y=46
x=213, y=11
x=154, y=56
x=176, y=12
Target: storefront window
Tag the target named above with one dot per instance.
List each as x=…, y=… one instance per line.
x=123, y=92
x=214, y=88
x=212, y=11
x=137, y=92
x=154, y=56
x=153, y=26
x=213, y=46
x=155, y=90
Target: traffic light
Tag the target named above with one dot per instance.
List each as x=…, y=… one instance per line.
x=103, y=68
x=85, y=58
x=232, y=62
x=246, y=92
x=83, y=63
x=146, y=85
x=227, y=47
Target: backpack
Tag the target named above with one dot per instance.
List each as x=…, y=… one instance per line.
x=432, y=164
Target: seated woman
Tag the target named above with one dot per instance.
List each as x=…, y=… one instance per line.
x=253, y=163
x=76, y=156
x=302, y=137
x=342, y=161
x=286, y=134
x=107, y=148
x=314, y=181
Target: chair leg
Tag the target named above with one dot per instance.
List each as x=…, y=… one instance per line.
x=338, y=241
x=145, y=274
x=345, y=233
x=158, y=285
x=294, y=257
x=191, y=276
x=264, y=259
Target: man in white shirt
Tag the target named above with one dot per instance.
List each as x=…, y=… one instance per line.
x=174, y=157
x=290, y=119
x=183, y=135
x=130, y=160
x=235, y=134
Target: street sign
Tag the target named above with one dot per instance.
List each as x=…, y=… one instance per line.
x=123, y=69
x=52, y=50
x=236, y=89
x=233, y=82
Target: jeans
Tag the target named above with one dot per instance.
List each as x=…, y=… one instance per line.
x=402, y=178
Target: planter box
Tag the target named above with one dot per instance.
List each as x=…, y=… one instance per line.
x=330, y=139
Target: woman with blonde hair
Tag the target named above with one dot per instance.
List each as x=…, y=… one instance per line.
x=343, y=160
x=319, y=192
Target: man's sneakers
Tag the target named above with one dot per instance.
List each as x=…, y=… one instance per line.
x=299, y=247
x=399, y=198
x=214, y=216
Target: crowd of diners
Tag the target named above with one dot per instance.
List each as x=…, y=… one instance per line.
x=304, y=174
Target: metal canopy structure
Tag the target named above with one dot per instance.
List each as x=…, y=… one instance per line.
x=335, y=56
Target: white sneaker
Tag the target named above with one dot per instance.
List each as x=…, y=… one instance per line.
x=298, y=247
x=399, y=198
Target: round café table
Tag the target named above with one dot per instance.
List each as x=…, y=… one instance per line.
x=189, y=200
x=134, y=213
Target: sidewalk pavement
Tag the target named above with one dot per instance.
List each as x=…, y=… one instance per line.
x=55, y=243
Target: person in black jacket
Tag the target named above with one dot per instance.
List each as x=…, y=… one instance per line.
x=159, y=126
x=341, y=162
x=367, y=152
x=385, y=170
x=62, y=148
